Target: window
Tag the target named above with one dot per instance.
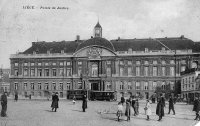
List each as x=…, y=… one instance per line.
x=61, y=72
x=129, y=71
x=25, y=72
x=108, y=62
x=154, y=85
x=163, y=71
x=61, y=63
x=54, y=64
x=79, y=62
x=172, y=85
x=163, y=62
x=129, y=85
x=54, y=86
x=94, y=70
x=16, y=86
x=137, y=85
x=32, y=72
x=39, y=72
x=61, y=86
x=68, y=85
x=155, y=62
x=172, y=62
x=129, y=62
x=192, y=79
x=16, y=64
x=121, y=71
x=46, y=64
x=146, y=86
x=25, y=86
x=182, y=81
x=68, y=63
x=54, y=72
x=163, y=85
x=108, y=71
x=46, y=86
x=79, y=71
x=146, y=62
x=61, y=94
x=79, y=85
x=25, y=64
x=32, y=64
x=40, y=93
x=183, y=68
x=16, y=72
x=39, y=86
x=121, y=62
x=39, y=64
x=121, y=86
x=172, y=71
x=146, y=71
x=137, y=71
x=137, y=62
x=108, y=85
x=69, y=72
x=32, y=86
x=46, y=72
x=183, y=61
x=155, y=71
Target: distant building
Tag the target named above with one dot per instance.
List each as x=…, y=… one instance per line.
x=125, y=66
x=190, y=84
x=4, y=80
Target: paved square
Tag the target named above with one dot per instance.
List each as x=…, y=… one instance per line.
x=99, y=113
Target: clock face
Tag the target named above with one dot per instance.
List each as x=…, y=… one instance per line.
x=97, y=31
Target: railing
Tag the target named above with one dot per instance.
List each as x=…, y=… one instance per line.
x=41, y=55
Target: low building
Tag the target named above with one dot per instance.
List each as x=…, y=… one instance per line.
x=190, y=84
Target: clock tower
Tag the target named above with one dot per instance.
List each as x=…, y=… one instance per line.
x=98, y=30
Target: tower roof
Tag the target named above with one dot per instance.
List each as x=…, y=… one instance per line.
x=98, y=25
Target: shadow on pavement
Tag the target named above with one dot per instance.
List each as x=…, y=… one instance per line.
x=77, y=110
x=48, y=111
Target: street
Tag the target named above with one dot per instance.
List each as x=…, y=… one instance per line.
x=99, y=113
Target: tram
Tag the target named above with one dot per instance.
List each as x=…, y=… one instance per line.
x=78, y=93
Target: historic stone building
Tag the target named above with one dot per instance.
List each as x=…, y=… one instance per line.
x=126, y=66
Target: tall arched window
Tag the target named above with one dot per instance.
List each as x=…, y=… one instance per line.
x=94, y=70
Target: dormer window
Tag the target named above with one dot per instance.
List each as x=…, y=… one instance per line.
x=146, y=50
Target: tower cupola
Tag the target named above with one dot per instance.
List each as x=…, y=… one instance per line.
x=98, y=30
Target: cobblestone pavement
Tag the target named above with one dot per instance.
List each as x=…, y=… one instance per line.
x=99, y=113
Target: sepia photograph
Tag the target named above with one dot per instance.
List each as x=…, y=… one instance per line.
x=100, y=62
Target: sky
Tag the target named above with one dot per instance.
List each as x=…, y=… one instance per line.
x=127, y=19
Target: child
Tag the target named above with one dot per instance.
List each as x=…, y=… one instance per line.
x=147, y=109
x=119, y=110
x=74, y=100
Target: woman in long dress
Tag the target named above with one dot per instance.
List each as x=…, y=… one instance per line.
x=147, y=109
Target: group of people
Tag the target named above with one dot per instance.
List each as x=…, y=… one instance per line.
x=133, y=103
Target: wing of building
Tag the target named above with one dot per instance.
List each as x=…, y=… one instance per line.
x=123, y=66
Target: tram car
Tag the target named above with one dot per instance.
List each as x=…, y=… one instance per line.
x=102, y=95
x=78, y=93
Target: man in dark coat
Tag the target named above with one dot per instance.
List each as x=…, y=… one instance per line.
x=122, y=100
x=55, y=100
x=171, y=105
x=4, y=104
x=84, y=105
x=196, y=108
x=16, y=97
x=160, y=109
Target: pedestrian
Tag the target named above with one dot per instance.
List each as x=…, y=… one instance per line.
x=147, y=109
x=4, y=104
x=133, y=105
x=160, y=109
x=171, y=105
x=137, y=106
x=128, y=110
x=84, y=104
x=55, y=100
x=30, y=96
x=119, y=110
x=196, y=108
x=74, y=99
x=16, y=97
x=122, y=100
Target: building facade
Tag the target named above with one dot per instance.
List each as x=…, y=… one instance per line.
x=4, y=80
x=190, y=84
x=125, y=66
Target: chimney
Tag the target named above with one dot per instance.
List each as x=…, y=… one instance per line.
x=77, y=37
x=182, y=36
x=33, y=43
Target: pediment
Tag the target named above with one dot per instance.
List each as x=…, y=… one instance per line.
x=93, y=52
